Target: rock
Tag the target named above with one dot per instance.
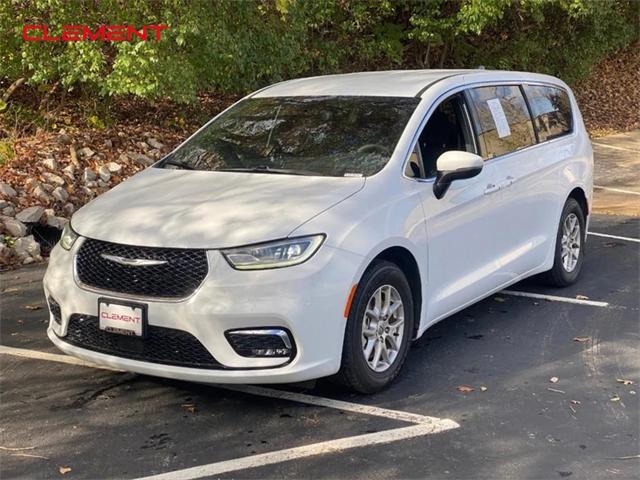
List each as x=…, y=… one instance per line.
x=108, y=143
x=9, y=211
x=114, y=167
x=92, y=184
x=60, y=194
x=48, y=188
x=155, y=143
x=40, y=193
x=68, y=209
x=30, y=215
x=50, y=163
x=4, y=204
x=15, y=227
x=143, y=145
x=87, y=191
x=102, y=184
x=105, y=173
x=155, y=154
x=86, y=153
x=5, y=252
x=143, y=160
x=88, y=175
x=64, y=139
x=69, y=171
x=28, y=260
x=53, y=178
x=31, y=183
x=7, y=190
x=27, y=246
x=57, y=222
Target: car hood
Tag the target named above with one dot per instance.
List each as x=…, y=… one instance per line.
x=200, y=209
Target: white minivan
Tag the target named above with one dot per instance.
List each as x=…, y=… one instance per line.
x=319, y=225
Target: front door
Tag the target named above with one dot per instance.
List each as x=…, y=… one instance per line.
x=463, y=227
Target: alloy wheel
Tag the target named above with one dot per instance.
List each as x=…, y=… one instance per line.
x=570, y=242
x=383, y=328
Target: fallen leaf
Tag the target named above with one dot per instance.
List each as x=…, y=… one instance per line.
x=465, y=388
x=624, y=381
x=582, y=297
x=64, y=470
x=189, y=407
x=33, y=307
x=575, y=402
x=582, y=339
x=554, y=379
x=483, y=388
x=615, y=399
x=10, y=290
x=499, y=299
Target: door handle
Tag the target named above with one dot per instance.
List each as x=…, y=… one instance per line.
x=491, y=188
x=506, y=182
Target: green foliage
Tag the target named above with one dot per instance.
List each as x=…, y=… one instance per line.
x=239, y=45
x=6, y=151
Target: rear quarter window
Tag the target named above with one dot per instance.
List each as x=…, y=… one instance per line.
x=551, y=110
x=502, y=119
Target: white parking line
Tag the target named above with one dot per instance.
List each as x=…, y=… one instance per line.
x=605, y=235
x=617, y=190
x=330, y=403
x=553, y=298
x=330, y=446
x=625, y=149
x=424, y=425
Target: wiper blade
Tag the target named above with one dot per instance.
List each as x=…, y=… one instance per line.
x=178, y=164
x=267, y=169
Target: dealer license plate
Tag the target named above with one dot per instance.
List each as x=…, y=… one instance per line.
x=121, y=317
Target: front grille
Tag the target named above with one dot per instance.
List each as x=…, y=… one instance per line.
x=161, y=345
x=182, y=273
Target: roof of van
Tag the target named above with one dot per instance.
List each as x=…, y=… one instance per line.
x=393, y=83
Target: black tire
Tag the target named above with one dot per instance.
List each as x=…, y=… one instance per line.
x=558, y=276
x=355, y=373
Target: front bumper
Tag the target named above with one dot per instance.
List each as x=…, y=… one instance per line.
x=308, y=300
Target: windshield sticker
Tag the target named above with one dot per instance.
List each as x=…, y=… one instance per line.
x=499, y=118
x=352, y=174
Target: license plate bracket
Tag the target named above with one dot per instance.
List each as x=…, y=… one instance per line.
x=122, y=318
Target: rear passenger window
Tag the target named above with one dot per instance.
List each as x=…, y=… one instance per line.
x=551, y=110
x=502, y=120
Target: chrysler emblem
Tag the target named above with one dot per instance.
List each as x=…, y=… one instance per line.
x=132, y=262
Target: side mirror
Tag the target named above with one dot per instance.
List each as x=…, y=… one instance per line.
x=455, y=165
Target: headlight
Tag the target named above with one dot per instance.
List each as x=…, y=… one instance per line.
x=68, y=237
x=277, y=254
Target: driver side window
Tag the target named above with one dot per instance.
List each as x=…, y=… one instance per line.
x=447, y=129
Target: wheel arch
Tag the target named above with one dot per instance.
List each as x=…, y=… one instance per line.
x=406, y=261
x=579, y=195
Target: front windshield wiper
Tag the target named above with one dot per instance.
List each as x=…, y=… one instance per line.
x=178, y=164
x=267, y=169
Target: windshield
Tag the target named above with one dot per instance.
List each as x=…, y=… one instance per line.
x=328, y=136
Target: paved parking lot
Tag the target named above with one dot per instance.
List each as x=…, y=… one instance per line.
x=515, y=423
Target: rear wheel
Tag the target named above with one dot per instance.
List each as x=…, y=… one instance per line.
x=569, y=253
x=379, y=329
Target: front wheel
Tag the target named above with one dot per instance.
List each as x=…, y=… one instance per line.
x=379, y=329
x=570, y=243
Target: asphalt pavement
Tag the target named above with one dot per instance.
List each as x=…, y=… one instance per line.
x=514, y=423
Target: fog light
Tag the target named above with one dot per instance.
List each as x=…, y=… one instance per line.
x=56, y=312
x=268, y=342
